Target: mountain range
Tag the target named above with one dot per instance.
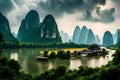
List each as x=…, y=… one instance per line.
x=32, y=30
x=84, y=36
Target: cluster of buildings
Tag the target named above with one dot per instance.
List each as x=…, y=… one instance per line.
x=91, y=51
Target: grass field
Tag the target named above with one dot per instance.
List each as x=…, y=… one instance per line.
x=66, y=49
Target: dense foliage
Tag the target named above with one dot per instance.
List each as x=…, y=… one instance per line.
x=10, y=70
x=51, y=45
x=61, y=54
x=1, y=37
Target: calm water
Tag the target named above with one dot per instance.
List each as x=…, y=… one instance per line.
x=28, y=62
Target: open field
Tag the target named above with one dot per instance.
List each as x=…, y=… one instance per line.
x=66, y=49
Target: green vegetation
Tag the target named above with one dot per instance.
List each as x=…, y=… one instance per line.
x=10, y=70
x=1, y=37
x=52, y=55
x=115, y=47
x=104, y=52
x=63, y=54
x=60, y=54
x=45, y=54
x=49, y=44
x=33, y=45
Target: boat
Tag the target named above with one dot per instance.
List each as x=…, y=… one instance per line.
x=41, y=58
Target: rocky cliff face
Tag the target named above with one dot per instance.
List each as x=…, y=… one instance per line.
x=90, y=38
x=107, y=39
x=83, y=35
x=31, y=30
x=49, y=29
x=5, y=30
x=76, y=34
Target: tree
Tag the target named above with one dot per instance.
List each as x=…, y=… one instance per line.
x=52, y=55
x=60, y=71
x=45, y=54
x=14, y=65
x=68, y=55
x=60, y=54
x=116, y=59
x=104, y=52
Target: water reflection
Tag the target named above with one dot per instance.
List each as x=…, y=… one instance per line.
x=75, y=63
x=28, y=62
x=14, y=56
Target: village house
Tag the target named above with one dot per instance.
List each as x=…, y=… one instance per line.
x=91, y=51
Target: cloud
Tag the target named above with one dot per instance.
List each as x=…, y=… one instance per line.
x=21, y=8
x=55, y=7
x=91, y=4
x=87, y=16
x=59, y=7
x=104, y=16
x=102, y=13
x=6, y=6
x=19, y=2
x=117, y=2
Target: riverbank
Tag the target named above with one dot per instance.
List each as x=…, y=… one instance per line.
x=54, y=45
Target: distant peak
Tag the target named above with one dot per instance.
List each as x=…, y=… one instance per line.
x=33, y=11
x=84, y=27
x=90, y=29
x=77, y=27
x=107, y=32
x=50, y=16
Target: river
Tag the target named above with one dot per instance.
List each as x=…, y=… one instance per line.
x=28, y=62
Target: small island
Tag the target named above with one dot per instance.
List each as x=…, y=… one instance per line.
x=92, y=50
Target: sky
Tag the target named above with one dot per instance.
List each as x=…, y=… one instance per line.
x=98, y=15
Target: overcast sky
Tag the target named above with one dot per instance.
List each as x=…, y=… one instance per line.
x=99, y=15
